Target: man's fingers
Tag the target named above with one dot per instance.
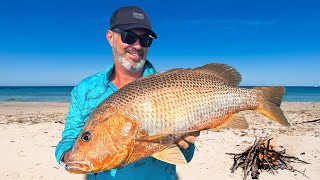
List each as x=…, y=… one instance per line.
x=192, y=137
x=66, y=156
x=183, y=144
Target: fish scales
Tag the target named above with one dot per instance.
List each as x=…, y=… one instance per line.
x=147, y=116
x=179, y=101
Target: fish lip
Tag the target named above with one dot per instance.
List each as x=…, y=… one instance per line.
x=79, y=166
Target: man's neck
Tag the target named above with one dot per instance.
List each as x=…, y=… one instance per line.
x=121, y=76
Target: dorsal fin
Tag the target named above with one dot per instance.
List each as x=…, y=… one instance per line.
x=225, y=71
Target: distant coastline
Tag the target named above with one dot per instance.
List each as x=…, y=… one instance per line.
x=62, y=93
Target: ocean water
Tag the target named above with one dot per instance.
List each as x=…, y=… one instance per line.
x=302, y=94
x=62, y=94
x=35, y=94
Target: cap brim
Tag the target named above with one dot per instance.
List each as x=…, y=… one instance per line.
x=126, y=27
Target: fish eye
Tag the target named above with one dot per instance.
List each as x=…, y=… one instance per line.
x=86, y=136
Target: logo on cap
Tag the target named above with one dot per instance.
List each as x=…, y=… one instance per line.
x=138, y=15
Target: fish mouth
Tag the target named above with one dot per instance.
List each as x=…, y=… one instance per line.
x=77, y=167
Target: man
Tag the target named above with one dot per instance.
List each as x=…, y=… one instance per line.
x=130, y=36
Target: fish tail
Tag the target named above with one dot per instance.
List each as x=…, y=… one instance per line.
x=270, y=103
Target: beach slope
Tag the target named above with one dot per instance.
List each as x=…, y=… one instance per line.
x=31, y=130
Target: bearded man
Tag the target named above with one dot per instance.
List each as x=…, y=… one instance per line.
x=130, y=36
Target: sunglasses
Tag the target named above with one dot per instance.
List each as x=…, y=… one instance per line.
x=130, y=38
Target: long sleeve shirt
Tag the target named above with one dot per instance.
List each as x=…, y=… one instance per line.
x=85, y=97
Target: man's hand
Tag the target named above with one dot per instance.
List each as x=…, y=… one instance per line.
x=191, y=138
x=66, y=156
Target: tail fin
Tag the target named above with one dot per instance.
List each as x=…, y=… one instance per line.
x=270, y=105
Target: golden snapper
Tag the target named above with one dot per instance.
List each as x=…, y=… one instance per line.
x=146, y=117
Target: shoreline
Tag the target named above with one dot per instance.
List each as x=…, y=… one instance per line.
x=31, y=131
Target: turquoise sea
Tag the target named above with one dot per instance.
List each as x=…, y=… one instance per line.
x=62, y=94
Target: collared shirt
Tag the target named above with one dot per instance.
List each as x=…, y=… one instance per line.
x=85, y=97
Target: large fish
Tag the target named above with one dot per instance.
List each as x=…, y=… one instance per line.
x=147, y=116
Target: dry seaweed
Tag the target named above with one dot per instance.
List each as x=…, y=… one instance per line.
x=310, y=121
x=262, y=157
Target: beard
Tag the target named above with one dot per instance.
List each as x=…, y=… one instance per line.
x=134, y=66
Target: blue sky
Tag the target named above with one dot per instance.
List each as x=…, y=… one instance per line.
x=57, y=42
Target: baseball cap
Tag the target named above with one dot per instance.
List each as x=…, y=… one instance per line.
x=131, y=17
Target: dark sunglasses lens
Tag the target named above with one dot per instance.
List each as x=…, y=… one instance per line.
x=145, y=41
x=128, y=37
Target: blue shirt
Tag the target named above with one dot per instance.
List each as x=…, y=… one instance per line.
x=85, y=97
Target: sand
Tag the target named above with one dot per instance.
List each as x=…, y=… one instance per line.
x=31, y=131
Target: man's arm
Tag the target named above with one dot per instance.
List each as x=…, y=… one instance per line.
x=74, y=122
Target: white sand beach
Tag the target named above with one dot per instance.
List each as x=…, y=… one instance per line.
x=30, y=132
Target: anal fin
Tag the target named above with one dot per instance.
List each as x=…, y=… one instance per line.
x=236, y=121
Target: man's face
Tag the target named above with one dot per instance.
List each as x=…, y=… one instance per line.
x=130, y=56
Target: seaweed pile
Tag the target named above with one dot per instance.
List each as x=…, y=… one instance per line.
x=262, y=157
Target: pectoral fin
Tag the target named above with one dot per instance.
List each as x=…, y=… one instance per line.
x=155, y=138
x=172, y=155
x=159, y=137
